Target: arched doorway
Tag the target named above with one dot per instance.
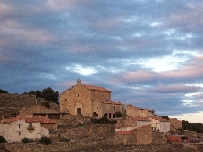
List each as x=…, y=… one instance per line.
x=94, y=115
x=105, y=115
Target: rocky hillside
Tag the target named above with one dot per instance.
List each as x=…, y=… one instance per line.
x=10, y=104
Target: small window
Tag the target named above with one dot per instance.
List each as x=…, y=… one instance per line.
x=65, y=99
x=97, y=107
x=19, y=126
x=78, y=95
x=109, y=115
x=30, y=127
x=19, y=133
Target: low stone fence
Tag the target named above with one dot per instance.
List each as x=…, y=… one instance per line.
x=159, y=138
x=71, y=120
x=93, y=131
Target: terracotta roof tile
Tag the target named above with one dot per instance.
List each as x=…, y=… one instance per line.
x=7, y=121
x=40, y=119
x=33, y=119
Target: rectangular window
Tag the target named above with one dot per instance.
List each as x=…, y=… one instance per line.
x=30, y=126
x=109, y=115
x=19, y=133
x=78, y=95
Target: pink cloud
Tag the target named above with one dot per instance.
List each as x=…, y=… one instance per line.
x=21, y=32
x=175, y=88
x=138, y=76
x=5, y=8
x=193, y=69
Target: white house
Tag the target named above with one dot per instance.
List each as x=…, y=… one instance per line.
x=17, y=128
x=159, y=124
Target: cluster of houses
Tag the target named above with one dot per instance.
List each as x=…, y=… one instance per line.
x=89, y=101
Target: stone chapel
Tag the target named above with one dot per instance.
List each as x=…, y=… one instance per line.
x=87, y=100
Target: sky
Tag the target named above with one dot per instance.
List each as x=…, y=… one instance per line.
x=149, y=53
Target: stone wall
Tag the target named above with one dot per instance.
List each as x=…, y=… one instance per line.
x=126, y=139
x=135, y=111
x=100, y=95
x=143, y=135
x=159, y=138
x=132, y=111
x=175, y=124
x=94, y=131
x=73, y=120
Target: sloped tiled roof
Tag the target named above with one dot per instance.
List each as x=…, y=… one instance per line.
x=33, y=119
x=40, y=119
x=7, y=121
x=159, y=119
x=95, y=88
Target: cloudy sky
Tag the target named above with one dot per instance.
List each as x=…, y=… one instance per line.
x=149, y=53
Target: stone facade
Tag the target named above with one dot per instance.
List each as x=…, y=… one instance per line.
x=143, y=134
x=136, y=111
x=126, y=137
x=175, y=124
x=139, y=135
x=89, y=100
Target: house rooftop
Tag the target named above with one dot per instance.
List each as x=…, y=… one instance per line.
x=159, y=118
x=30, y=119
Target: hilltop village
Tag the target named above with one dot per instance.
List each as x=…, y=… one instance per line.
x=88, y=117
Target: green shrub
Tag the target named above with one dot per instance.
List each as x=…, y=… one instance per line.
x=79, y=125
x=25, y=140
x=2, y=139
x=45, y=104
x=103, y=120
x=117, y=114
x=45, y=140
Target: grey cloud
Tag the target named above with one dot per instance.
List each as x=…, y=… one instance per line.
x=40, y=39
